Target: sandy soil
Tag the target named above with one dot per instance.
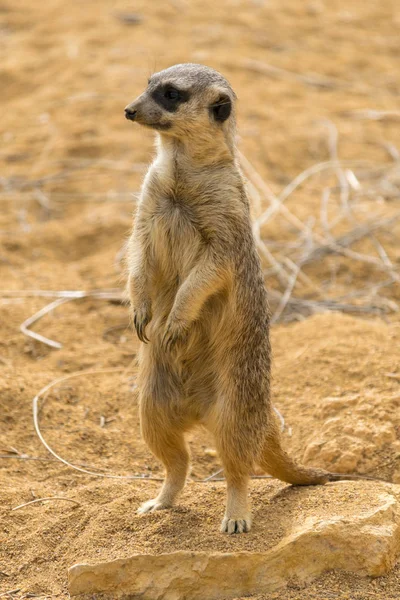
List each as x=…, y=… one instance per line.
x=70, y=166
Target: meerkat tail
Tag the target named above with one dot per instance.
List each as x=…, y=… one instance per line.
x=278, y=463
x=354, y=477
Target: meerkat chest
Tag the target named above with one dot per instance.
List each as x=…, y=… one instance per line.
x=178, y=223
x=174, y=234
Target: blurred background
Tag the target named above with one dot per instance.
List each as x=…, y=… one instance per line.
x=317, y=83
x=319, y=140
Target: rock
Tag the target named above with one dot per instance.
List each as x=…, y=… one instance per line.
x=362, y=540
x=350, y=434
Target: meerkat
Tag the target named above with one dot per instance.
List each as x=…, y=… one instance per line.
x=198, y=298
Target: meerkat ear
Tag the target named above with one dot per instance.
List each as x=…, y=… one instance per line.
x=222, y=108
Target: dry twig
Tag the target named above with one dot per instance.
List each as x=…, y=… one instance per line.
x=63, y=297
x=10, y=592
x=45, y=500
x=35, y=408
x=373, y=114
x=314, y=80
x=41, y=313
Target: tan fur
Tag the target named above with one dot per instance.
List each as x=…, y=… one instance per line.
x=198, y=298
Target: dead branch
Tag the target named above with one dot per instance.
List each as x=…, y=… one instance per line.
x=373, y=114
x=63, y=297
x=41, y=313
x=46, y=500
x=340, y=245
x=314, y=80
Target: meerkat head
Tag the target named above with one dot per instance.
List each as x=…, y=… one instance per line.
x=186, y=101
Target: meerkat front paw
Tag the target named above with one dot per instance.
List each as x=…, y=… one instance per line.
x=175, y=332
x=236, y=525
x=152, y=505
x=141, y=318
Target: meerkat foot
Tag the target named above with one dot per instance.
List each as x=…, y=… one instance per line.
x=241, y=525
x=153, y=505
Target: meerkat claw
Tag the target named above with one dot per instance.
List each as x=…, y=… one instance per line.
x=142, y=333
x=174, y=334
x=169, y=343
x=232, y=526
x=140, y=325
x=169, y=340
x=152, y=506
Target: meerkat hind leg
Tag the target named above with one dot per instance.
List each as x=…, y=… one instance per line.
x=175, y=457
x=167, y=443
x=237, y=517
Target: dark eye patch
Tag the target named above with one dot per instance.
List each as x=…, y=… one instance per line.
x=221, y=109
x=169, y=97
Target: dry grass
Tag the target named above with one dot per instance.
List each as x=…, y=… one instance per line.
x=313, y=241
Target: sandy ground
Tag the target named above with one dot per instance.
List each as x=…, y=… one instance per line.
x=70, y=166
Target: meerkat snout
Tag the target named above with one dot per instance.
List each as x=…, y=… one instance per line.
x=130, y=113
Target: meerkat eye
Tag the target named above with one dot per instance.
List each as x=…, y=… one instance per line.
x=169, y=98
x=172, y=94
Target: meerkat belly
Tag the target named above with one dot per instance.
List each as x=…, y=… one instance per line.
x=175, y=245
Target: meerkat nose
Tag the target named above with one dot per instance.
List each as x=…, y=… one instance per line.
x=130, y=113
